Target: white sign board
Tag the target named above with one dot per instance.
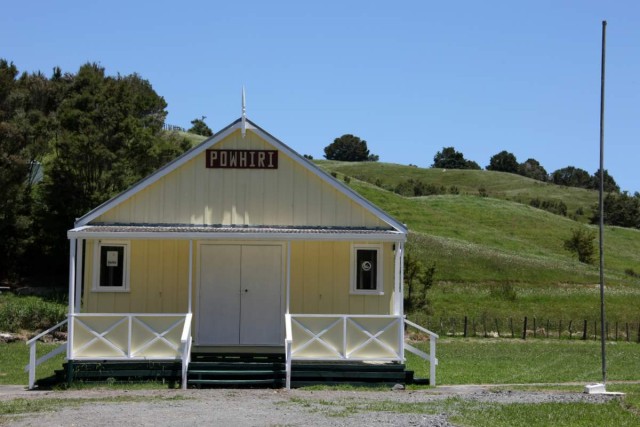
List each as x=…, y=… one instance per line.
x=112, y=258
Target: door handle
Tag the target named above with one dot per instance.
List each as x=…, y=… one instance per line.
x=246, y=290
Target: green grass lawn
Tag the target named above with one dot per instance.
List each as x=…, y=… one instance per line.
x=496, y=184
x=15, y=356
x=506, y=361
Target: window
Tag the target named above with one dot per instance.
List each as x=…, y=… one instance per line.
x=366, y=269
x=111, y=267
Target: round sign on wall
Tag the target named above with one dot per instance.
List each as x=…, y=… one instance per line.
x=366, y=266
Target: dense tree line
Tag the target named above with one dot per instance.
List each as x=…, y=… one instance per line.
x=69, y=142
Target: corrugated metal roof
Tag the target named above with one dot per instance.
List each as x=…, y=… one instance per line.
x=239, y=229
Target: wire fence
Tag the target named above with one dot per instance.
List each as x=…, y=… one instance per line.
x=169, y=127
x=533, y=327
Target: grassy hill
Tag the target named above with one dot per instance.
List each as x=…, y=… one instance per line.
x=480, y=244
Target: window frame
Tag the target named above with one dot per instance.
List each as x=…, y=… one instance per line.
x=379, y=289
x=126, y=270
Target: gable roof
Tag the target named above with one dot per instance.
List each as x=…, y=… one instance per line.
x=248, y=126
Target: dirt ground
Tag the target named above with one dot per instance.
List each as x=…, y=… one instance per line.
x=241, y=407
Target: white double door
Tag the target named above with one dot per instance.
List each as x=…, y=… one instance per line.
x=240, y=295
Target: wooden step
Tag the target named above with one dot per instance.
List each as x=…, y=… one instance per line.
x=234, y=373
x=249, y=382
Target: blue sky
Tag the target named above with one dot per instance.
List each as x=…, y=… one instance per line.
x=408, y=77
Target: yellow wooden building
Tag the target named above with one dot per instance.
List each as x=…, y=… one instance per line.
x=240, y=244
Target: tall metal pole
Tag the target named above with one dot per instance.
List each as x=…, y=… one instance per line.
x=601, y=205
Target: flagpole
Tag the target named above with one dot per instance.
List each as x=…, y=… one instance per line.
x=601, y=206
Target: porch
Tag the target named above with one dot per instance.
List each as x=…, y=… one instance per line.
x=325, y=349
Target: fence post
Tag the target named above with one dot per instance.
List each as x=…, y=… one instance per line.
x=524, y=329
x=484, y=324
x=627, y=330
x=466, y=325
x=584, y=331
x=534, y=326
x=511, y=326
x=560, y=329
x=497, y=327
x=616, y=330
x=546, y=332
x=570, y=330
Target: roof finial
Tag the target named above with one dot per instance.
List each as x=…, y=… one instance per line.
x=244, y=114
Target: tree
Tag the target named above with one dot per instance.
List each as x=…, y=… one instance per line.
x=109, y=137
x=503, y=162
x=449, y=158
x=621, y=209
x=531, y=168
x=200, y=127
x=572, y=177
x=27, y=121
x=349, y=148
x=581, y=244
x=610, y=185
x=417, y=278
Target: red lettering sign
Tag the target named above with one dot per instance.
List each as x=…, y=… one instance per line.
x=242, y=159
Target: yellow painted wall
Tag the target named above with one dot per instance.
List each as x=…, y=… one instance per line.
x=158, y=280
x=320, y=280
x=290, y=195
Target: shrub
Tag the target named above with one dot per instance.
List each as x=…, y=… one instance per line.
x=29, y=313
x=482, y=192
x=631, y=272
x=581, y=244
x=504, y=291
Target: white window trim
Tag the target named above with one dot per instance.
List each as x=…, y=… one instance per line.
x=96, y=266
x=379, y=290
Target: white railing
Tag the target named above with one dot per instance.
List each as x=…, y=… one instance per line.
x=330, y=337
x=352, y=337
x=346, y=337
x=33, y=362
x=185, y=343
x=431, y=356
x=111, y=336
x=139, y=336
x=288, y=343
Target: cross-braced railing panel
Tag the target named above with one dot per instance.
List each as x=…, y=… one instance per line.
x=126, y=336
x=318, y=337
x=346, y=337
x=370, y=338
x=97, y=336
x=153, y=336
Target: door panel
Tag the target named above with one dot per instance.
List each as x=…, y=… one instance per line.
x=240, y=297
x=261, y=305
x=219, y=299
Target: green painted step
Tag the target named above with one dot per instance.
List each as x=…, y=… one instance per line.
x=234, y=366
x=400, y=376
x=235, y=381
x=235, y=373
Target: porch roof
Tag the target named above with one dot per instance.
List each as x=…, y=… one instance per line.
x=232, y=232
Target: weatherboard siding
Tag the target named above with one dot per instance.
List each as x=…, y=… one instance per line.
x=194, y=194
x=320, y=280
x=158, y=280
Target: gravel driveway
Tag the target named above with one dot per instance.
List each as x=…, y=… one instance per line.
x=239, y=408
